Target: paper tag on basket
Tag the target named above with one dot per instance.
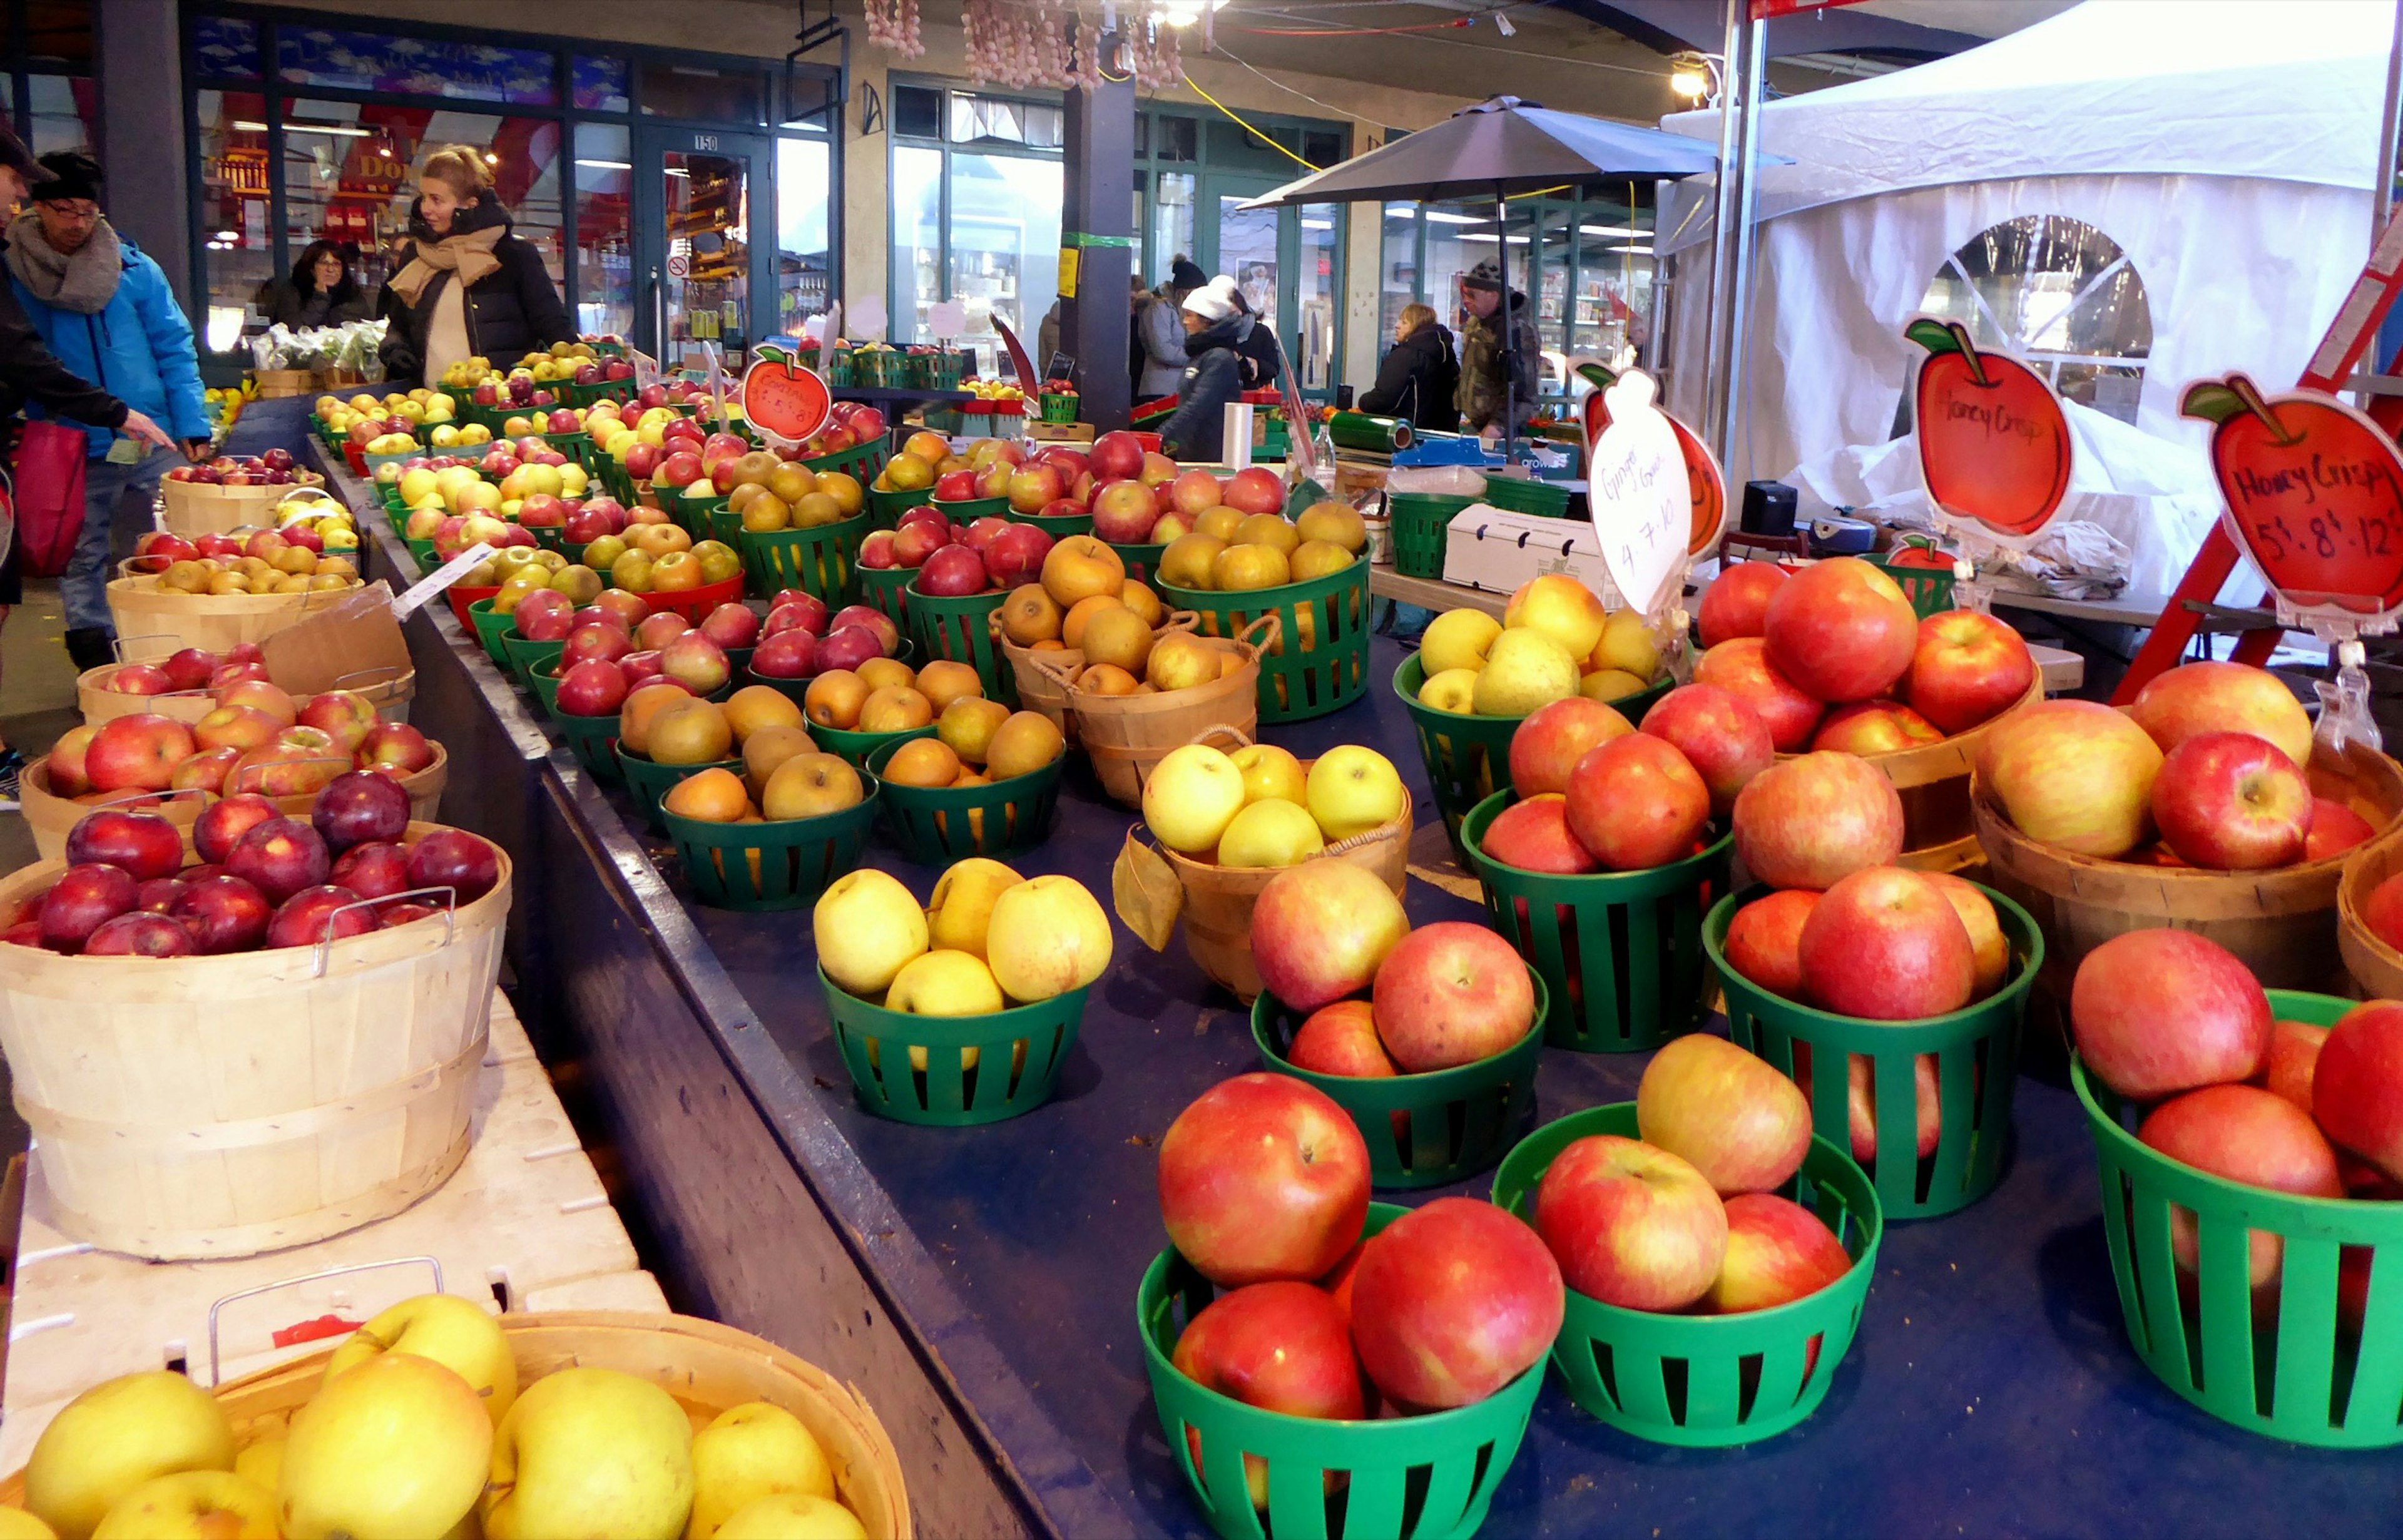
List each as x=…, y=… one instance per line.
x=1641, y=501
x=1145, y=891
x=441, y=577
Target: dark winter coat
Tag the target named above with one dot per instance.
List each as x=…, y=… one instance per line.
x=1482, y=385
x=1214, y=377
x=511, y=311
x=1418, y=381
x=30, y=371
x=287, y=306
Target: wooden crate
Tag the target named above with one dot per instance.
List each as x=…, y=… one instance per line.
x=523, y=1222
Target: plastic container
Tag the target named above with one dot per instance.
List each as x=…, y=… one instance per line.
x=1421, y=524
x=936, y=826
x=1427, y=1477
x=886, y=506
x=861, y=462
x=650, y=780
x=594, y=742
x=1425, y=1130
x=1319, y=663
x=694, y=604
x=820, y=561
x=1520, y=494
x=1929, y=589
x=783, y=864
x=886, y=589
x=960, y=631
x=1977, y=1051
x=1468, y=756
x=1140, y=561
x=969, y=510
x=1059, y=406
x=853, y=749
x=490, y=628
x=526, y=656
x=914, y=1069
x=543, y=679
x=1059, y=526
x=1708, y=1381
x=2282, y=1361
x=1621, y=952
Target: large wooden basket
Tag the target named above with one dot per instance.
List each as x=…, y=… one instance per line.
x=1127, y=736
x=2281, y=924
x=1042, y=689
x=2374, y=966
x=389, y=690
x=222, y=1106
x=198, y=507
x=708, y=1369
x=52, y=817
x=218, y=622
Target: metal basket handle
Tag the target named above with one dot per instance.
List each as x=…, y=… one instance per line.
x=449, y=919
x=432, y=1264
x=382, y=671
x=117, y=644
x=145, y=795
x=150, y=703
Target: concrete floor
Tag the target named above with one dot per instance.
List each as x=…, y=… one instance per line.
x=37, y=702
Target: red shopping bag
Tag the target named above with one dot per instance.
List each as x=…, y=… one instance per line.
x=49, y=495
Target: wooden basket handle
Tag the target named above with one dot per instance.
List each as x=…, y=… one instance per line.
x=1273, y=620
x=1406, y=820
x=1221, y=730
x=234, y=785
x=1180, y=620
x=1053, y=670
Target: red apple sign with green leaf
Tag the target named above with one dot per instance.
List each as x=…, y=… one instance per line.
x=782, y=401
x=2315, y=492
x=1703, y=480
x=1994, y=445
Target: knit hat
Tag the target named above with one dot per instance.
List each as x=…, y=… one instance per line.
x=1485, y=275
x=67, y=175
x=1183, y=274
x=17, y=158
x=1215, y=300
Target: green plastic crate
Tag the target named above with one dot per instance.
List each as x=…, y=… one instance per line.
x=961, y=631
x=1521, y=495
x=1421, y=525
x=760, y=868
x=1019, y=1051
x=821, y=560
x=936, y=826
x=1304, y=673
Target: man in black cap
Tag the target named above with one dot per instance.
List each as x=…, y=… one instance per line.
x=1483, y=385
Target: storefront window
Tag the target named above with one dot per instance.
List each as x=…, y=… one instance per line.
x=699, y=93
x=604, y=253
x=1004, y=242
x=226, y=45
x=1172, y=223
x=237, y=246
x=917, y=237
x=414, y=67
x=1319, y=288
x=60, y=112
x=599, y=84
x=2061, y=293
x=804, y=251
x=1247, y=251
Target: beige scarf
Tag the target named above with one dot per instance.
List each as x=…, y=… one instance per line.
x=471, y=255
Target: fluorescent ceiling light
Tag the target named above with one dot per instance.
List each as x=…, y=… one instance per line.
x=1611, y=230
x=1490, y=239
x=1444, y=217
x=1638, y=250
x=1318, y=224
x=608, y=165
x=345, y=131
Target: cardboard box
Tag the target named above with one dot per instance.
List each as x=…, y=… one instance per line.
x=1495, y=550
x=353, y=644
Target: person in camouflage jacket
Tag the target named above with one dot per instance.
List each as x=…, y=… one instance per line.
x=1482, y=384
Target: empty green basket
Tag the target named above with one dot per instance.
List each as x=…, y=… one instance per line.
x=1708, y=1381
x=1019, y=1055
x=783, y=864
x=936, y=826
x=489, y=629
x=1421, y=526
x=819, y=559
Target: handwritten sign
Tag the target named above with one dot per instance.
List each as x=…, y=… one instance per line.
x=1705, y=483
x=1993, y=444
x=783, y=403
x=2314, y=495
x=1641, y=501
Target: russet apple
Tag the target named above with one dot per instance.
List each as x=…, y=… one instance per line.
x=1046, y=936
x=1737, y=602
x=1722, y=737
x=1736, y=1120
x=1741, y=667
x=1777, y=1252
x=1263, y=1178
x=1811, y=821
x=456, y=1333
x=1350, y=790
x=804, y=784
x=1885, y=945
x=1630, y=1223
x=1841, y=630
x=2358, y=1085
x=1968, y=668
x=588, y=1450
x=1320, y=930
x=868, y=926
x=1453, y=1301
x=749, y=1452
x=1452, y=993
x=2243, y=1134
x=1341, y=1039
x=1284, y=1347
x=1547, y=746
x=1636, y=803
x=117, y=1436
x=1534, y=835
x=2072, y=773
x=2216, y=697
x=2233, y=801
x=2156, y=1012
x=1764, y=941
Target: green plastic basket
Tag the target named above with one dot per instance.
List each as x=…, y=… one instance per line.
x=1620, y=952
x=887, y=589
x=1422, y=1131
x=960, y=631
x=1421, y=526
x=1521, y=495
x=1059, y=527
x=404, y=457
x=885, y=508
x=1468, y=756
x=600, y=390
x=936, y=826
x=757, y=868
x=1141, y=561
x=970, y=511
x=860, y=462
x=595, y=741
x=819, y=559
x=577, y=447
x=543, y=679
x=2284, y=1362
x=1708, y=1381
x=1977, y=1051
x=1427, y=1477
x=1019, y=1054
x=1058, y=407
x=1301, y=675
x=422, y=552
x=693, y=515
x=650, y=780
x=491, y=629
x=1928, y=589
x=851, y=748
x=526, y=656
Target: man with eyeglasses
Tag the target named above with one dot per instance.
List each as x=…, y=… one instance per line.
x=107, y=311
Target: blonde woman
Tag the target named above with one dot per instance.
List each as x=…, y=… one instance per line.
x=464, y=287
x=1420, y=374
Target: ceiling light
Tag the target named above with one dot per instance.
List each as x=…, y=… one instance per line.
x=345, y=131
x=606, y=165
x=1490, y=239
x=1595, y=229
x=1318, y=224
x=1691, y=75
x=1444, y=217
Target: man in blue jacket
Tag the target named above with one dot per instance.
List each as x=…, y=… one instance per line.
x=107, y=312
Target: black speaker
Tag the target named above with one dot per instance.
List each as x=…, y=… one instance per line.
x=1768, y=508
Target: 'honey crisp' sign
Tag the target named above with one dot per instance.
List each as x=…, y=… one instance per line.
x=1993, y=444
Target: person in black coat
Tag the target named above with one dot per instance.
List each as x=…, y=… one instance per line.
x=1263, y=367
x=1218, y=334
x=319, y=293
x=466, y=286
x=1419, y=376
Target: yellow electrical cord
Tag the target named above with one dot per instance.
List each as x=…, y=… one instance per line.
x=1224, y=108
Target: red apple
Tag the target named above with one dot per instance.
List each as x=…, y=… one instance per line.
x=656, y=631
x=2231, y=801
x=2072, y=773
x=1533, y=836
x=915, y=543
x=1631, y=1224
x=1194, y=491
x=242, y=727
x=1546, y=747
x=1968, y=668
x=393, y=747
x=317, y=915
x=346, y=716
x=877, y=551
x=696, y=662
x=1735, y=1120
x=190, y=669
x=956, y=486
x=1015, y=556
x=1282, y=1347
x=1841, y=630
x=1808, y=823
x=1453, y=1301
x=1029, y=486
x=731, y=625
x=845, y=647
x=594, y=638
x=1452, y=993
x=1861, y=1102
x=137, y=753
x=1764, y=941
x=1263, y=1178
x=2215, y=697
x=1885, y=945
x=140, y=679
x=1741, y=668
x=1254, y=489
x=805, y=609
x=786, y=655
x=1874, y=727
x=1341, y=1039
x=1117, y=455
x=67, y=772
x=680, y=469
x=2335, y=829
x=159, y=894
x=1737, y=604
x=1723, y=738
x=140, y=935
x=359, y=808
x=279, y=857
x=143, y=844
x=2243, y=1134
x=1987, y=943
x=1636, y=803
x=1320, y=930
x=2156, y=1012
x=2357, y=1086
x=2294, y=1060
x=84, y=898
x=1777, y=1252
x=454, y=859
x=1124, y=512
x=879, y=624
x=376, y=870
x=594, y=687
x=205, y=771
x=222, y=823
x=953, y=572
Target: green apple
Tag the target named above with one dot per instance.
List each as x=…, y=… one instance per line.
x=591, y=1451
x=455, y=1333
x=788, y=1516
x=193, y=1505
x=395, y=1448
x=117, y=1436
x=749, y=1452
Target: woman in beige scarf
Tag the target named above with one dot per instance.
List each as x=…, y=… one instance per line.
x=466, y=286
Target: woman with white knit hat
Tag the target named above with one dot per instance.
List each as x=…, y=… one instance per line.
x=1218, y=341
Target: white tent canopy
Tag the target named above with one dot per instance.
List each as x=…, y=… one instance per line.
x=2226, y=149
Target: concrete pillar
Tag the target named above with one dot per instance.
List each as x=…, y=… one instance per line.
x=1097, y=221
x=868, y=197
x=140, y=67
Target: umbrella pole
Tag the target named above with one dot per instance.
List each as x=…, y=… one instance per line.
x=1509, y=333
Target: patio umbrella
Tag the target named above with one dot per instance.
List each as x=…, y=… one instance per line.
x=1493, y=149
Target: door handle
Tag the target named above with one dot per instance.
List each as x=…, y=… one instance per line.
x=658, y=317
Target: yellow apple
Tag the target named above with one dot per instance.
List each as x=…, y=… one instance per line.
x=1047, y=937
x=1271, y=833
x=747, y=1453
x=17, y=1524
x=1526, y=672
x=1268, y=772
x=1453, y=690
x=1610, y=684
x=790, y=1517
x=398, y=1447
x=1192, y=796
x=117, y=1436
x=1457, y=639
x=944, y=983
x=1627, y=644
x=1353, y=790
x=456, y=1333
x=1559, y=608
x=591, y=1451
x=961, y=908
x=193, y=1505
x=867, y=927
x=262, y=1462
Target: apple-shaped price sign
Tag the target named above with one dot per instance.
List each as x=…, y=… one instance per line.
x=1994, y=445
x=1642, y=503
x=783, y=402
x=1705, y=483
x=2314, y=494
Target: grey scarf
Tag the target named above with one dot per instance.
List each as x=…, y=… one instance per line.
x=83, y=282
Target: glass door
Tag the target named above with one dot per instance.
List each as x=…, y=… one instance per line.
x=1288, y=264
x=700, y=195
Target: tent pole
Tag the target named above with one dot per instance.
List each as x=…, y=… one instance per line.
x=1509, y=333
x=1739, y=401
x=2383, y=194
x=1715, y=329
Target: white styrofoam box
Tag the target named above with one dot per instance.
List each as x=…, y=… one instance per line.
x=1496, y=550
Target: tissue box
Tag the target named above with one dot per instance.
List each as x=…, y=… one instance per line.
x=1496, y=550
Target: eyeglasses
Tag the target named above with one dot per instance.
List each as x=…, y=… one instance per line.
x=80, y=213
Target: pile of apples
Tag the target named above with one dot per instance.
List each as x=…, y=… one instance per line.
x=365, y=417
x=1264, y=1190
x=267, y=561
x=1688, y=1218
x=1051, y=481
x=657, y=557
x=1245, y=542
x=1555, y=640
x=257, y=738
x=1257, y=807
x=613, y=647
x=263, y=879
x=2175, y=1022
x=774, y=494
x=421, y=1427
x=272, y=468
x=800, y=640
x=1833, y=657
x=977, y=741
x=849, y=425
x=2206, y=768
x=987, y=940
x=1596, y=795
x=556, y=419
x=784, y=777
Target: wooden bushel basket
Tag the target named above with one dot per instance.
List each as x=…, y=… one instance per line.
x=708, y=1369
x=2376, y=967
x=1127, y=736
x=215, y=622
x=198, y=507
x=389, y=690
x=52, y=817
x=2281, y=924
x=1040, y=689
x=222, y=1106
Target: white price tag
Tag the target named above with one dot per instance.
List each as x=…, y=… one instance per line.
x=868, y=318
x=1641, y=503
x=947, y=319
x=441, y=577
